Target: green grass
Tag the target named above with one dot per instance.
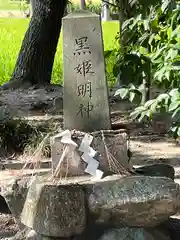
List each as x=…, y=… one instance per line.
x=15, y=4
x=9, y=5
x=12, y=33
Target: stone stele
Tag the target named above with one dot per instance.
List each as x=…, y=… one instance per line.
x=86, y=104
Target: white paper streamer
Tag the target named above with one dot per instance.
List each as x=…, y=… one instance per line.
x=66, y=138
x=86, y=157
x=99, y=174
x=85, y=143
x=92, y=167
x=88, y=152
x=91, y=152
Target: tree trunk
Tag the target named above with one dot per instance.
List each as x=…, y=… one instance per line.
x=36, y=57
x=32, y=4
x=106, y=11
x=123, y=16
x=83, y=4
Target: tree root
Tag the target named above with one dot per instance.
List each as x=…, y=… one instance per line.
x=14, y=84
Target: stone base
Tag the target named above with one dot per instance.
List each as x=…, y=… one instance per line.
x=110, y=145
x=64, y=209
x=55, y=210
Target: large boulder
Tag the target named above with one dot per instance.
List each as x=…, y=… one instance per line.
x=135, y=234
x=55, y=210
x=139, y=201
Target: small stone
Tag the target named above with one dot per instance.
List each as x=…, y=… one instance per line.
x=173, y=226
x=139, y=201
x=134, y=234
x=160, y=169
x=22, y=233
x=55, y=210
x=32, y=235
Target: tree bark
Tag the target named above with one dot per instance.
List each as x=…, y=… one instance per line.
x=83, y=4
x=32, y=4
x=124, y=9
x=36, y=57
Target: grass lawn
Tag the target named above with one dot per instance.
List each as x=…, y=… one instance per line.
x=9, y=5
x=15, y=4
x=12, y=33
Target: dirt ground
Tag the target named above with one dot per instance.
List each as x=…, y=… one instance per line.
x=147, y=150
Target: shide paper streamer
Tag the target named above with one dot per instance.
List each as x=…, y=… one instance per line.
x=86, y=149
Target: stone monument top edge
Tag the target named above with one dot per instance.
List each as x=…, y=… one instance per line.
x=81, y=14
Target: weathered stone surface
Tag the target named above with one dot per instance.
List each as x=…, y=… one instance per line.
x=135, y=201
x=26, y=234
x=86, y=105
x=160, y=169
x=55, y=210
x=173, y=226
x=22, y=234
x=135, y=234
x=32, y=235
x=161, y=122
x=42, y=237
x=15, y=193
x=73, y=165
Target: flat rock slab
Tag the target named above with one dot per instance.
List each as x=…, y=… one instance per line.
x=141, y=201
x=59, y=209
x=55, y=210
x=135, y=234
x=159, y=169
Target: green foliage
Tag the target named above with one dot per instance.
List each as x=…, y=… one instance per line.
x=130, y=92
x=167, y=102
x=94, y=8
x=24, y=7
x=151, y=55
x=131, y=8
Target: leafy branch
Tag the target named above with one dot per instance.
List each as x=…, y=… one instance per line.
x=151, y=56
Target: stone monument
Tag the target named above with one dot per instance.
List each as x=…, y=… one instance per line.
x=86, y=105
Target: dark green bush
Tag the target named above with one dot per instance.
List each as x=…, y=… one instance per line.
x=94, y=8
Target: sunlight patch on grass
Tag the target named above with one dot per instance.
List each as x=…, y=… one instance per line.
x=12, y=34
